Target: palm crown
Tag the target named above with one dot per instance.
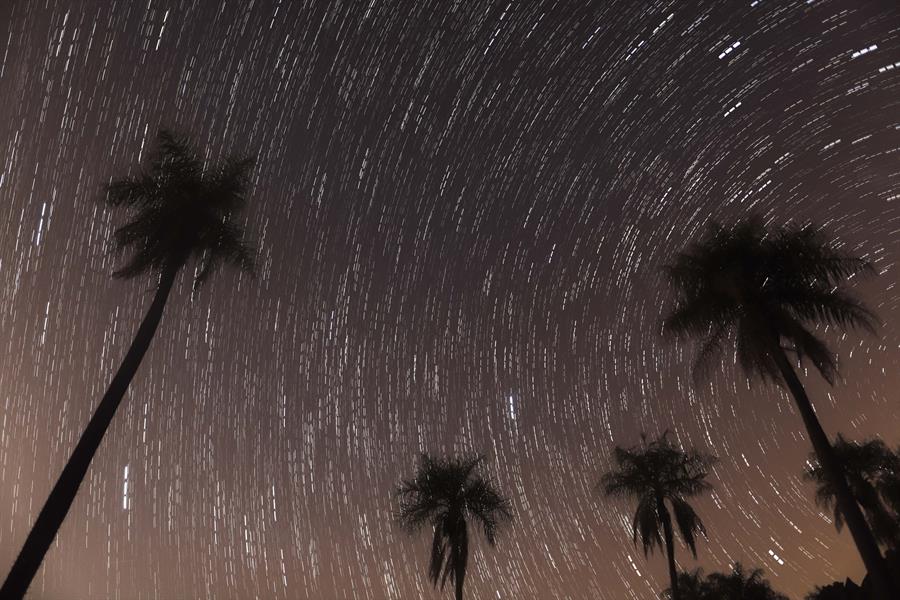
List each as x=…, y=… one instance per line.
x=445, y=493
x=656, y=473
x=761, y=286
x=179, y=209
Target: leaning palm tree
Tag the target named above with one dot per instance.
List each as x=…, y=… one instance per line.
x=180, y=209
x=871, y=469
x=654, y=474
x=764, y=289
x=446, y=493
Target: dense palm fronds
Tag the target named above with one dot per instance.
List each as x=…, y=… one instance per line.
x=739, y=584
x=180, y=208
x=873, y=473
x=446, y=494
x=750, y=284
x=659, y=475
x=660, y=471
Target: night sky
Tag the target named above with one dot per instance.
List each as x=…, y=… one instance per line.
x=461, y=212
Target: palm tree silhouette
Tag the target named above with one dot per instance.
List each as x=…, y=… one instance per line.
x=446, y=493
x=179, y=210
x=763, y=288
x=653, y=474
x=871, y=468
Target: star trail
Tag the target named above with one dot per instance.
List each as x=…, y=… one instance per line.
x=462, y=210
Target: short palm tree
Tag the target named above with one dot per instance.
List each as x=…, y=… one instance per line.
x=871, y=468
x=179, y=209
x=654, y=474
x=446, y=494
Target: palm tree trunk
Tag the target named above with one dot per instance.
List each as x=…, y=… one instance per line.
x=885, y=587
x=670, y=546
x=57, y=505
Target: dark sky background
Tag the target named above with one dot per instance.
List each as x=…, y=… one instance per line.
x=462, y=209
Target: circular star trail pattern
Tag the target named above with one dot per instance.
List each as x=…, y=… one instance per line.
x=462, y=209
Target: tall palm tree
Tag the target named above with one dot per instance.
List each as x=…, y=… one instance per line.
x=179, y=210
x=446, y=493
x=653, y=474
x=764, y=289
x=871, y=468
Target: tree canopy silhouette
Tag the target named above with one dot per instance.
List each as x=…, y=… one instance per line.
x=447, y=493
x=872, y=471
x=179, y=208
x=655, y=474
x=763, y=290
x=739, y=584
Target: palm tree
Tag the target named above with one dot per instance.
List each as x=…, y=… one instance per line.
x=653, y=474
x=446, y=493
x=764, y=289
x=179, y=210
x=871, y=469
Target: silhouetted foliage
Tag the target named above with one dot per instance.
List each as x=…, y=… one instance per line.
x=739, y=584
x=750, y=283
x=760, y=290
x=447, y=493
x=657, y=474
x=179, y=208
x=837, y=591
x=872, y=471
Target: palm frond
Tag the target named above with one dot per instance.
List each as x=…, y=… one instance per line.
x=688, y=523
x=646, y=525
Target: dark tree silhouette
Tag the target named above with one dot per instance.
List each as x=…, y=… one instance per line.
x=739, y=584
x=871, y=469
x=691, y=586
x=178, y=210
x=763, y=289
x=654, y=474
x=446, y=494
x=837, y=591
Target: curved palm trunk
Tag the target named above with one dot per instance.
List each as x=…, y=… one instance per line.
x=63, y=494
x=669, y=536
x=885, y=587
